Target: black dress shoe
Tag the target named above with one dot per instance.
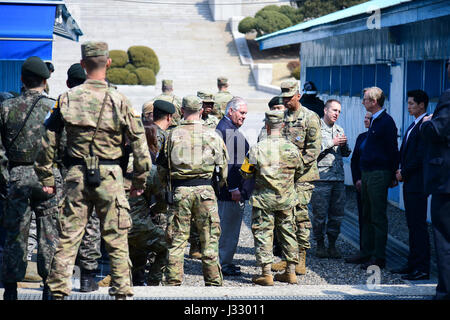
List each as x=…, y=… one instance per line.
x=381, y=263
x=402, y=270
x=416, y=275
x=357, y=259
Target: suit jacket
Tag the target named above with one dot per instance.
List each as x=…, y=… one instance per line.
x=436, y=136
x=354, y=162
x=237, y=147
x=411, y=160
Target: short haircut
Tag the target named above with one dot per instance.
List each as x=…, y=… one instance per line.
x=329, y=101
x=94, y=63
x=235, y=104
x=419, y=96
x=31, y=80
x=158, y=114
x=376, y=94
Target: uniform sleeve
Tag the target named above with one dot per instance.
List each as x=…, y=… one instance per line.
x=222, y=160
x=300, y=166
x=248, y=167
x=313, y=141
x=4, y=174
x=142, y=162
x=46, y=156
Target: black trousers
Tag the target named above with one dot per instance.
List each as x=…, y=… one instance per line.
x=419, y=239
x=440, y=216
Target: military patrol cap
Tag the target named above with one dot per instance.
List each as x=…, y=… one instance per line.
x=164, y=106
x=94, y=49
x=274, y=116
x=35, y=66
x=147, y=107
x=167, y=83
x=76, y=71
x=289, y=88
x=222, y=80
x=192, y=103
x=275, y=101
x=205, y=96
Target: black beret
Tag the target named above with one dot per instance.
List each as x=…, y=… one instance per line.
x=275, y=100
x=35, y=66
x=76, y=71
x=50, y=66
x=164, y=106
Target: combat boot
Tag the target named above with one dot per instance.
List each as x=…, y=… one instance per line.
x=139, y=278
x=122, y=297
x=279, y=266
x=321, y=250
x=288, y=275
x=266, y=279
x=46, y=294
x=10, y=292
x=300, y=268
x=87, y=281
x=333, y=252
x=105, y=282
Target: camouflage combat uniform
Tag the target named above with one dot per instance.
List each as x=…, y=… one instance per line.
x=170, y=97
x=211, y=121
x=25, y=193
x=78, y=111
x=221, y=99
x=328, y=198
x=194, y=150
x=302, y=128
x=276, y=164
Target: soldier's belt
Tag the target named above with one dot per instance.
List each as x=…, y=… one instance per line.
x=190, y=182
x=72, y=161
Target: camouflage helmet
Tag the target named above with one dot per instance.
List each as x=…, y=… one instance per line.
x=274, y=116
x=205, y=96
x=289, y=88
x=192, y=103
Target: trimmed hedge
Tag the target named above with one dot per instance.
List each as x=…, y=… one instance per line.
x=117, y=75
x=130, y=67
x=119, y=58
x=296, y=73
x=270, y=21
x=142, y=56
x=247, y=24
x=145, y=76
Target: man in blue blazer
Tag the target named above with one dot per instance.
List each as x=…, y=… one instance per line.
x=435, y=130
x=233, y=195
x=414, y=197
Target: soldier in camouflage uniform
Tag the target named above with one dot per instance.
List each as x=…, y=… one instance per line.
x=78, y=112
x=168, y=95
x=191, y=153
x=328, y=198
x=276, y=164
x=302, y=128
x=21, y=126
x=207, y=98
x=89, y=251
x=221, y=98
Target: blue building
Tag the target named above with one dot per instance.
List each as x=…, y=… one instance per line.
x=27, y=29
x=397, y=45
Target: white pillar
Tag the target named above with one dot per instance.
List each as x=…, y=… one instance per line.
x=223, y=10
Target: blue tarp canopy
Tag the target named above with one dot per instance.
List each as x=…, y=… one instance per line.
x=26, y=30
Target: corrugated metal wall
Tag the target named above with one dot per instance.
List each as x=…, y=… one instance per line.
x=10, y=71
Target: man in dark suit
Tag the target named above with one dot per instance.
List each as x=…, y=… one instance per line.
x=435, y=130
x=232, y=196
x=414, y=197
x=379, y=162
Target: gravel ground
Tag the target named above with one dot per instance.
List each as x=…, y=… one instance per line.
x=319, y=271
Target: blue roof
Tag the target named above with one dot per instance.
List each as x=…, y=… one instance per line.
x=362, y=8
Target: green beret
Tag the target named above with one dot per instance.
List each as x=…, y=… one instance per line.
x=76, y=71
x=35, y=66
x=205, y=96
x=274, y=116
x=289, y=88
x=192, y=103
x=275, y=101
x=94, y=49
x=164, y=106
